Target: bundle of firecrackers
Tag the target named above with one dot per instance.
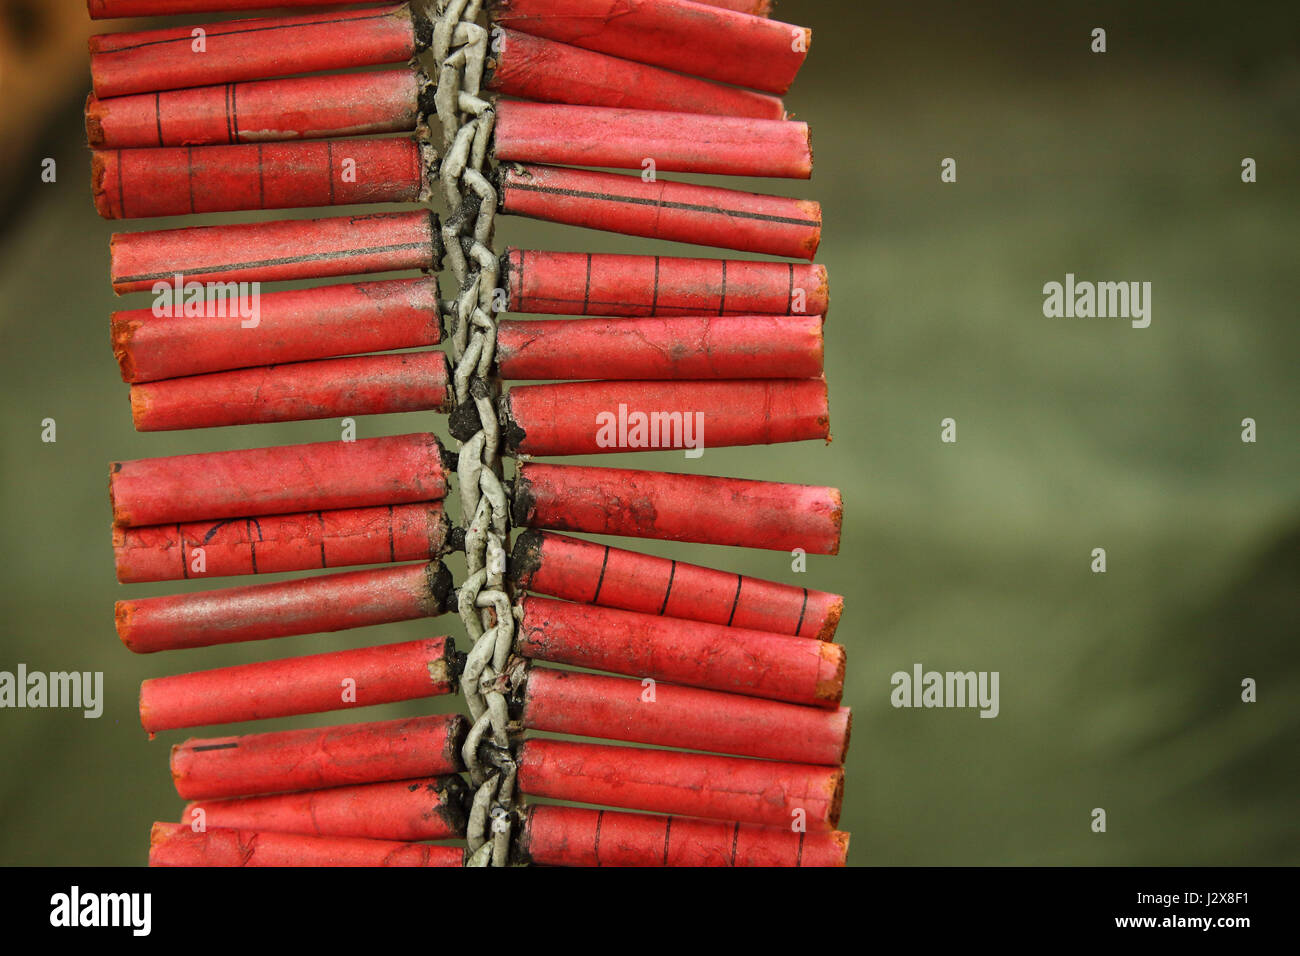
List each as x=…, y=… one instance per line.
x=731, y=685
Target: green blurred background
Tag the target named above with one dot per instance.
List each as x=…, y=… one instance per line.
x=1118, y=690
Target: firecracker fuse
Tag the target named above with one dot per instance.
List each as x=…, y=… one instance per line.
x=699, y=508
x=679, y=212
x=669, y=715
x=765, y=792
x=340, y=680
x=576, y=836
x=711, y=656
x=682, y=347
x=292, y=326
x=591, y=573
x=281, y=479
x=258, y=612
x=304, y=541
x=586, y=283
x=178, y=57
x=313, y=758
x=276, y=251
x=176, y=844
x=587, y=418
x=432, y=808
x=301, y=391
x=692, y=38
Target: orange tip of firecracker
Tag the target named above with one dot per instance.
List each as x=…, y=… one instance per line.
x=830, y=673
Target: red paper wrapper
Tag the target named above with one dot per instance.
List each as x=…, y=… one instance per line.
x=107, y=9
x=326, y=388
x=432, y=808
x=310, y=759
x=174, y=58
x=619, y=708
x=178, y=181
x=755, y=663
x=680, y=212
x=340, y=680
x=536, y=69
x=290, y=326
x=257, y=612
x=172, y=844
x=699, y=508
x=591, y=573
x=625, y=138
x=588, y=418
x=275, y=251
x=306, y=107
x=691, y=38
x=584, y=283
x=765, y=792
x=574, y=836
x=686, y=347
x=281, y=479
x=295, y=542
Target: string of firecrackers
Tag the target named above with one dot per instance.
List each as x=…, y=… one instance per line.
x=748, y=679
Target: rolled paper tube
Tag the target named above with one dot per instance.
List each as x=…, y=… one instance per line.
x=681, y=347
x=588, y=418
x=340, y=680
x=576, y=836
x=670, y=781
x=537, y=69
x=318, y=757
x=288, y=326
x=695, y=39
x=620, y=708
x=294, y=542
x=432, y=808
x=174, y=58
x=585, y=283
x=626, y=138
x=325, y=388
x=755, y=663
x=306, y=107
x=590, y=573
x=177, y=844
x=699, y=508
x=108, y=9
x=256, y=612
x=680, y=212
x=274, y=251
x=177, y=181
x=282, y=479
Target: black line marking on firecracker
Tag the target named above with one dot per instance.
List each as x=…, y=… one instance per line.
x=213, y=747
x=672, y=573
x=189, y=38
x=668, y=829
x=601, y=580
x=392, y=545
x=281, y=261
x=662, y=204
x=735, y=603
x=802, y=611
